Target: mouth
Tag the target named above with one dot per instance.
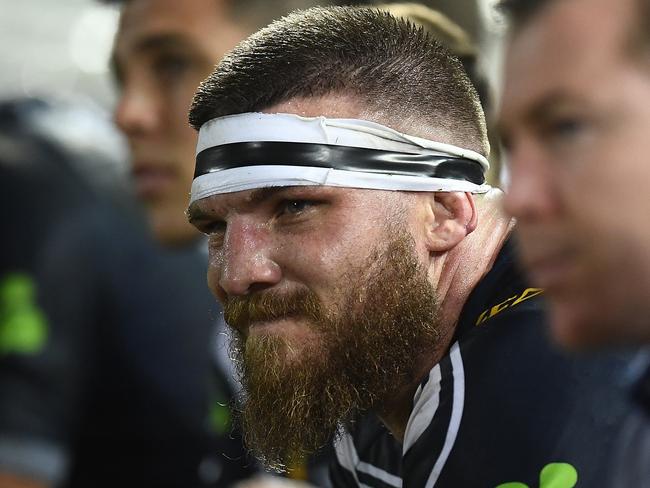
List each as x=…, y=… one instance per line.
x=272, y=322
x=292, y=326
x=152, y=181
x=552, y=271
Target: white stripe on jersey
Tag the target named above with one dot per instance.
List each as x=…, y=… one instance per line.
x=425, y=406
x=456, y=413
x=347, y=456
x=426, y=401
x=389, y=479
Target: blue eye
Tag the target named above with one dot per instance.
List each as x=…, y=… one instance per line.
x=295, y=207
x=212, y=228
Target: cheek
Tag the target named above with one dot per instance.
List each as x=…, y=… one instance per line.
x=183, y=92
x=607, y=209
x=317, y=262
x=187, y=163
x=601, y=310
x=324, y=260
x=177, y=109
x=595, y=197
x=622, y=262
x=181, y=153
x=612, y=275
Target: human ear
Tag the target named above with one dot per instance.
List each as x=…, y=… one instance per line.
x=450, y=218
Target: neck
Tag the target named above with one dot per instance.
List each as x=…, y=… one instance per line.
x=464, y=266
x=395, y=411
x=460, y=271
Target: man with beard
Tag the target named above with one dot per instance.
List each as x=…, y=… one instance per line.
x=163, y=49
x=366, y=270
x=575, y=123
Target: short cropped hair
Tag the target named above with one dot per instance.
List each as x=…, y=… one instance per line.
x=398, y=73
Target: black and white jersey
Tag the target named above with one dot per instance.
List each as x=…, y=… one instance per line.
x=632, y=465
x=502, y=406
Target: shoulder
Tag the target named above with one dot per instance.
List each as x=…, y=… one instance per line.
x=503, y=293
x=521, y=299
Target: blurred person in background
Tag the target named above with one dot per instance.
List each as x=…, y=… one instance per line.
x=367, y=273
x=162, y=51
x=575, y=122
x=102, y=378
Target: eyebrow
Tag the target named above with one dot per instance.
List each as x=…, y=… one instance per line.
x=150, y=43
x=165, y=40
x=197, y=214
x=261, y=194
x=546, y=105
x=542, y=108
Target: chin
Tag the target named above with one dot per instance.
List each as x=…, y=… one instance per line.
x=292, y=350
x=585, y=328
x=296, y=347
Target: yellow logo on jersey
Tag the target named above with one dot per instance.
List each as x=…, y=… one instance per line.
x=509, y=303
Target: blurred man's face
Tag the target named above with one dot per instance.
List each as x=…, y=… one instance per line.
x=576, y=121
x=163, y=50
x=328, y=292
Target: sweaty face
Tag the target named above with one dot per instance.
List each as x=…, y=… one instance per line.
x=163, y=50
x=575, y=118
x=329, y=300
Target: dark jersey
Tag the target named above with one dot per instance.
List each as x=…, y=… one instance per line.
x=105, y=344
x=632, y=465
x=502, y=406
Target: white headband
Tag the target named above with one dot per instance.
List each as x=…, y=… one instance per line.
x=255, y=151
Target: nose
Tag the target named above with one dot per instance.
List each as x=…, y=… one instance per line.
x=136, y=112
x=245, y=262
x=531, y=193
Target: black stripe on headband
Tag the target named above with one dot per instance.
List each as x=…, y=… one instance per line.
x=240, y=154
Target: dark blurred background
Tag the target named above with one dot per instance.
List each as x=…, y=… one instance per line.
x=60, y=48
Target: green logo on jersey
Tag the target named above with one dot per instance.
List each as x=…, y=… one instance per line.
x=554, y=475
x=23, y=328
x=220, y=418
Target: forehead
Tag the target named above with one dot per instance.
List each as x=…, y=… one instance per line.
x=334, y=105
x=191, y=19
x=569, y=47
x=348, y=106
